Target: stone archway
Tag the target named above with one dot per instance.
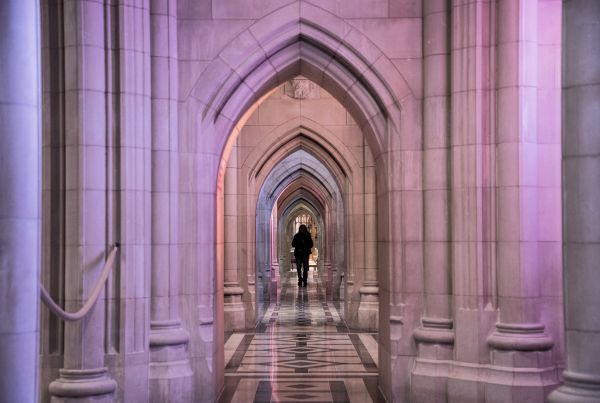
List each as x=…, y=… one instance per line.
x=298, y=170
x=306, y=40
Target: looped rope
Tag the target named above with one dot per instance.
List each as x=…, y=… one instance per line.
x=85, y=309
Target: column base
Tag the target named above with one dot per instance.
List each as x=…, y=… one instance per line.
x=275, y=281
x=82, y=386
x=577, y=388
x=435, y=338
x=170, y=373
x=328, y=277
x=520, y=337
x=449, y=381
x=476, y=383
x=340, y=288
x=522, y=351
x=435, y=343
x=368, y=308
x=350, y=286
x=234, y=311
x=429, y=379
x=170, y=381
x=435, y=331
x=252, y=288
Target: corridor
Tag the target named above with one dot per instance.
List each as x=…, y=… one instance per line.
x=302, y=350
x=157, y=159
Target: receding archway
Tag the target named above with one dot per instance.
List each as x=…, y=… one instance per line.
x=298, y=169
x=346, y=64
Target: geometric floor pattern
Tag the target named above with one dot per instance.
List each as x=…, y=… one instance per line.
x=301, y=351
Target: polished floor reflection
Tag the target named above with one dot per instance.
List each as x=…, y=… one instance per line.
x=301, y=351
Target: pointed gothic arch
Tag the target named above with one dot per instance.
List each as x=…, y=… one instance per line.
x=300, y=39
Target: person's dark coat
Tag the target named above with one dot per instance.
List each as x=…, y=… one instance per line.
x=302, y=244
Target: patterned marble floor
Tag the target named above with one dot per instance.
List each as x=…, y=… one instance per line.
x=302, y=351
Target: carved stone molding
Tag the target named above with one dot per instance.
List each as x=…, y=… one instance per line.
x=435, y=331
x=167, y=333
x=301, y=88
x=82, y=383
x=520, y=337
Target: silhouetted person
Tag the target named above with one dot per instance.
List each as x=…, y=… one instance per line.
x=302, y=244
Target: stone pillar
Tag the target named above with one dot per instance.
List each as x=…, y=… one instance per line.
x=519, y=342
x=84, y=377
x=170, y=374
x=53, y=186
x=285, y=265
x=249, y=268
x=275, y=279
x=336, y=244
x=235, y=318
x=263, y=257
x=472, y=217
x=435, y=336
x=327, y=275
x=327, y=253
x=284, y=249
x=19, y=199
x=368, y=310
x=350, y=260
x=581, y=198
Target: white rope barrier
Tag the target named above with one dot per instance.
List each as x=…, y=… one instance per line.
x=85, y=309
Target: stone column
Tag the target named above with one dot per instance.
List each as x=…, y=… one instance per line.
x=263, y=265
x=53, y=186
x=472, y=215
x=336, y=244
x=284, y=250
x=519, y=342
x=368, y=310
x=327, y=253
x=19, y=199
x=235, y=318
x=350, y=260
x=84, y=377
x=249, y=271
x=170, y=374
x=435, y=336
x=275, y=279
x=581, y=198
x=284, y=247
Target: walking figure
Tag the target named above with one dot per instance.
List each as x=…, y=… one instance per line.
x=302, y=244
